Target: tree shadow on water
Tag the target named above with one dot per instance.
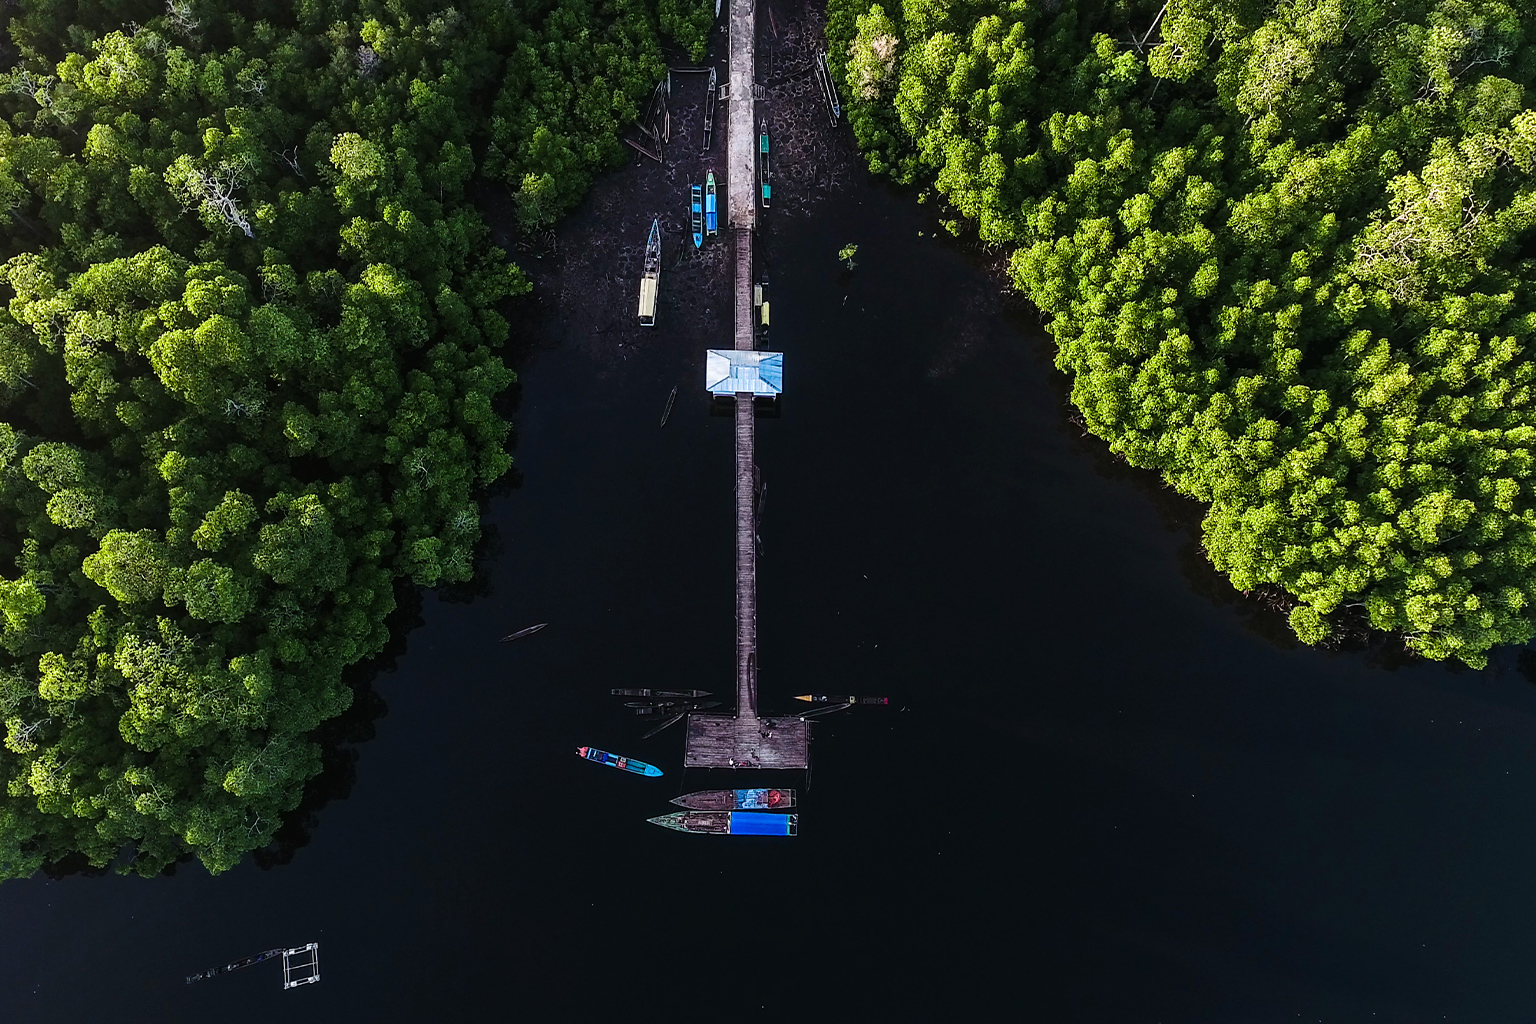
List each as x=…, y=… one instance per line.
x=340, y=737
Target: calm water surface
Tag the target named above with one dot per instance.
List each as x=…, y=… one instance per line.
x=1107, y=791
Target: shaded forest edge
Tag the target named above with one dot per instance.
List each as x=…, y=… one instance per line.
x=251, y=388
x=1284, y=251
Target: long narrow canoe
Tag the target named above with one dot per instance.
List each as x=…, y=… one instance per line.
x=737, y=800
x=763, y=168
x=730, y=823
x=834, y=698
x=696, y=213
x=711, y=213
x=627, y=764
x=671, y=707
x=529, y=631
x=642, y=691
x=666, y=413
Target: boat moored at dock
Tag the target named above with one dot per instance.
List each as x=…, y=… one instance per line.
x=696, y=214
x=652, y=707
x=627, y=764
x=763, y=171
x=838, y=698
x=711, y=210
x=643, y=691
x=730, y=823
x=737, y=800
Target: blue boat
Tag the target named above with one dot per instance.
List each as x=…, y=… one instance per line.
x=711, y=217
x=696, y=205
x=763, y=170
x=628, y=764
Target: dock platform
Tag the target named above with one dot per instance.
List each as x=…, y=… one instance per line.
x=725, y=741
x=744, y=739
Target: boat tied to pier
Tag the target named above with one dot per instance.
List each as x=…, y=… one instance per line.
x=650, y=279
x=737, y=800
x=837, y=698
x=627, y=764
x=709, y=99
x=696, y=214
x=711, y=209
x=645, y=691
x=671, y=707
x=730, y=823
x=763, y=172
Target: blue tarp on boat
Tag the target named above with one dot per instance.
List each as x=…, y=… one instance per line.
x=747, y=823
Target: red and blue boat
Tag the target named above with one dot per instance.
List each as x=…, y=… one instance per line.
x=627, y=764
x=737, y=800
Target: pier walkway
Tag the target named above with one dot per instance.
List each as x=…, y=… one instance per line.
x=744, y=740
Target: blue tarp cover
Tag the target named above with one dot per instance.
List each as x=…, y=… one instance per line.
x=746, y=823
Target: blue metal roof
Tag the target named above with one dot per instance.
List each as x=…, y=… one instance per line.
x=729, y=371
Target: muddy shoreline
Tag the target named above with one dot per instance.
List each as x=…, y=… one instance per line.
x=586, y=271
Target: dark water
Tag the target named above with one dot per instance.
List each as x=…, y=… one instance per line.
x=1112, y=793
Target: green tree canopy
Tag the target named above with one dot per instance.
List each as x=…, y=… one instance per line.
x=1284, y=250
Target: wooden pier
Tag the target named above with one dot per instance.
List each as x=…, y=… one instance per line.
x=744, y=740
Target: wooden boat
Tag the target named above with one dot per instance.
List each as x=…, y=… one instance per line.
x=696, y=214
x=214, y=972
x=709, y=99
x=667, y=412
x=828, y=86
x=522, y=633
x=671, y=707
x=711, y=213
x=762, y=164
x=650, y=280
x=730, y=823
x=644, y=691
x=822, y=698
x=737, y=800
x=627, y=764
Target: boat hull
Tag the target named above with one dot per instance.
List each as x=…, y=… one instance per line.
x=696, y=213
x=627, y=764
x=730, y=823
x=837, y=698
x=738, y=800
x=644, y=691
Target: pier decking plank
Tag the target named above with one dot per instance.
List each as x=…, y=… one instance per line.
x=741, y=144
x=723, y=741
x=744, y=740
x=746, y=559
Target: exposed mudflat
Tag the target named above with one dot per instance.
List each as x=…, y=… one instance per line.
x=586, y=272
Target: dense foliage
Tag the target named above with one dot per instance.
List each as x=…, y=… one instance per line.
x=247, y=365
x=1285, y=252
